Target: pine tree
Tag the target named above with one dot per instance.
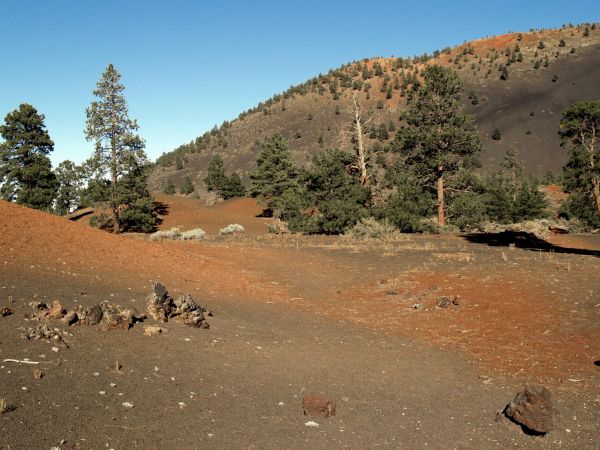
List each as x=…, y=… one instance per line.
x=233, y=187
x=580, y=133
x=70, y=179
x=441, y=138
x=187, y=187
x=339, y=197
x=216, y=179
x=119, y=154
x=26, y=175
x=169, y=188
x=275, y=173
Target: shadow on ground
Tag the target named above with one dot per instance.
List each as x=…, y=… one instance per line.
x=161, y=209
x=524, y=240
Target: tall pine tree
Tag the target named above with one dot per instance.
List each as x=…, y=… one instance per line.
x=26, y=175
x=120, y=155
x=441, y=138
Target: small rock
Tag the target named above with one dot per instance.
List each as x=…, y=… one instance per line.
x=70, y=318
x=56, y=311
x=6, y=311
x=38, y=374
x=55, y=349
x=391, y=292
x=127, y=405
x=533, y=409
x=417, y=306
x=311, y=423
x=152, y=330
x=317, y=405
x=94, y=315
x=443, y=302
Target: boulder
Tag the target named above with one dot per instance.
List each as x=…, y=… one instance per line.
x=159, y=303
x=532, y=408
x=162, y=307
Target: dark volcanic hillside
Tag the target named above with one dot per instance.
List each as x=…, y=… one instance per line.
x=547, y=70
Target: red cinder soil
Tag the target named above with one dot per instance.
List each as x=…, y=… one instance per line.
x=354, y=322
x=188, y=213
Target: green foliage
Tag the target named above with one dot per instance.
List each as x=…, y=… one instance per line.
x=187, y=186
x=169, y=188
x=70, y=180
x=233, y=187
x=337, y=197
x=26, y=175
x=529, y=203
x=215, y=179
x=580, y=132
x=407, y=207
x=510, y=198
x=441, y=138
x=275, y=173
x=119, y=154
x=466, y=202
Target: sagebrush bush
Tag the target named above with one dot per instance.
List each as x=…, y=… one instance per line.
x=195, y=234
x=165, y=235
x=232, y=228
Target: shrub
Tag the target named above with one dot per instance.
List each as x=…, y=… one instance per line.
x=169, y=188
x=164, y=235
x=102, y=221
x=197, y=234
x=232, y=228
x=496, y=135
x=370, y=228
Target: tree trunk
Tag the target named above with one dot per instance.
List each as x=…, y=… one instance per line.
x=596, y=184
x=441, y=205
x=361, y=156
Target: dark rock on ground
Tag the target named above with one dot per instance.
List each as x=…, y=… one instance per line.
x=533, y=409
x=162, y=307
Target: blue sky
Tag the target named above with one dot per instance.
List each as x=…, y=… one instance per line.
x=188, y=65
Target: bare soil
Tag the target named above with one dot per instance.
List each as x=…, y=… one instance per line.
x=357, y=323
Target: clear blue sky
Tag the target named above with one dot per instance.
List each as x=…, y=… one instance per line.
x=188, y=65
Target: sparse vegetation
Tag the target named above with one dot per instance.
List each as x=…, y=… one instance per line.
x=232, y=228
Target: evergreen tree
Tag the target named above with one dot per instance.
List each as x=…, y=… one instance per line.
x=275, y=173
x=187, y=187
x=338, y=198
x=26, y=175
x=408, y=205
x=169, y=188
x=70, y=179
x=510, y=198
x=233, y=187
x=441, y=138
x=529, y=203
x=216, y=179
x=119, y=153
x=580, y=133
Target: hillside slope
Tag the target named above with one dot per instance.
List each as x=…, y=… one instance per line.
x=547, y=71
